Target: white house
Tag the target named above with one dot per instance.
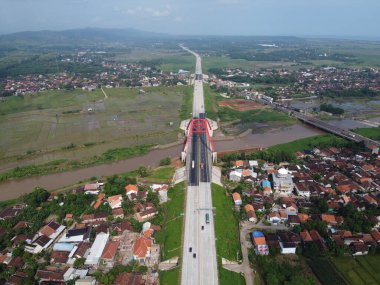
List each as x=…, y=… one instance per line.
x=288, y=247
x=302, y=189
x=92, y=188
x=253, y=163
x=97, y=249
x=283, y=182
x=235, y=175
x=162, y=190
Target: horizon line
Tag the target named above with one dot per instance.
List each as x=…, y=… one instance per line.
x=315, y=36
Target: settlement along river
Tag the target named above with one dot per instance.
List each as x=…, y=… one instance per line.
x=14, y=188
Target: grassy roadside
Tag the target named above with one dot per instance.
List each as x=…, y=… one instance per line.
x=321, y=141
x=211, y=105
x=253, y=116
x=227, y=235
x=187, y=104
x=162, y=174
x=170, y=236
x=372, y=133
x=65, y=165
x=170, y=277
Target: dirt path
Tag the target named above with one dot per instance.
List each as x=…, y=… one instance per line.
x=105, y=94
x=246, y=267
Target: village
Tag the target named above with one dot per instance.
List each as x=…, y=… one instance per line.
x=325, y=203
x=288, y=84
x=85, y=233
x=112, y=74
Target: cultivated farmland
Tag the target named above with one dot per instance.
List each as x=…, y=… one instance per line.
x=359, y=270
x=80, y=124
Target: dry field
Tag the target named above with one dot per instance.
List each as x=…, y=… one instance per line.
x=241, y=105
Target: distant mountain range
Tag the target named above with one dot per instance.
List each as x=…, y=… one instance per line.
x=103, y=35
x=80, y=36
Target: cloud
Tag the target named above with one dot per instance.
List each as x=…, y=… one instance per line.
x=148, y=11
x=229, y=2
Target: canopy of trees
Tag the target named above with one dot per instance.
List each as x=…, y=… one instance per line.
x=331, y=109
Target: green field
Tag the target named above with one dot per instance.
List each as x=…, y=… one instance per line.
x=227, y=277
x=163, y=174
x=226, y=234
x=187, y=104
x=182, y=60
x=77, y=124
x=233, y=121
x=226, y=224
x=172, y=63
x=372, y=133
x=211, y=105
x=359, y=270
x=170, y=236
x=171, y=277
x=321, y=141
x=325, y=272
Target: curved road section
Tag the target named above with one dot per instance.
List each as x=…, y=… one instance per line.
x=199, y=264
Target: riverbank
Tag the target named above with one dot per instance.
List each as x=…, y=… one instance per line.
x=16, y=188
x=63, y=165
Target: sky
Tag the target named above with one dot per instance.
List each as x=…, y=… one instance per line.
x=342, y=18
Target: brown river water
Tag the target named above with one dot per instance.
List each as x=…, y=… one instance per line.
x=15, y=188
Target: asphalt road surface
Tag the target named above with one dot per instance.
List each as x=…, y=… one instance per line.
x=199, y=264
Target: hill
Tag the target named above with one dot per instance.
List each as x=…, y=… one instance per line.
x=78, y=37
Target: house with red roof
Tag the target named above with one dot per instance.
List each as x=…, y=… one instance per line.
x=251, y=215
x=376, y=235
x=127, y=278
x=118, y=213
x=99, y=201
x=237, y=198
x=146, y=214
x=109, y=253
x=131, y=189
x=305, y=236
x=238, y=164
x=141, y=249
x=115, y=201
x=259, y=243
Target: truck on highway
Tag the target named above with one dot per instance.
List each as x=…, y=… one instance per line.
x=207, y=218
x=192, y=164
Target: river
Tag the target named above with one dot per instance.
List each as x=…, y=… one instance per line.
x=15, y=188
